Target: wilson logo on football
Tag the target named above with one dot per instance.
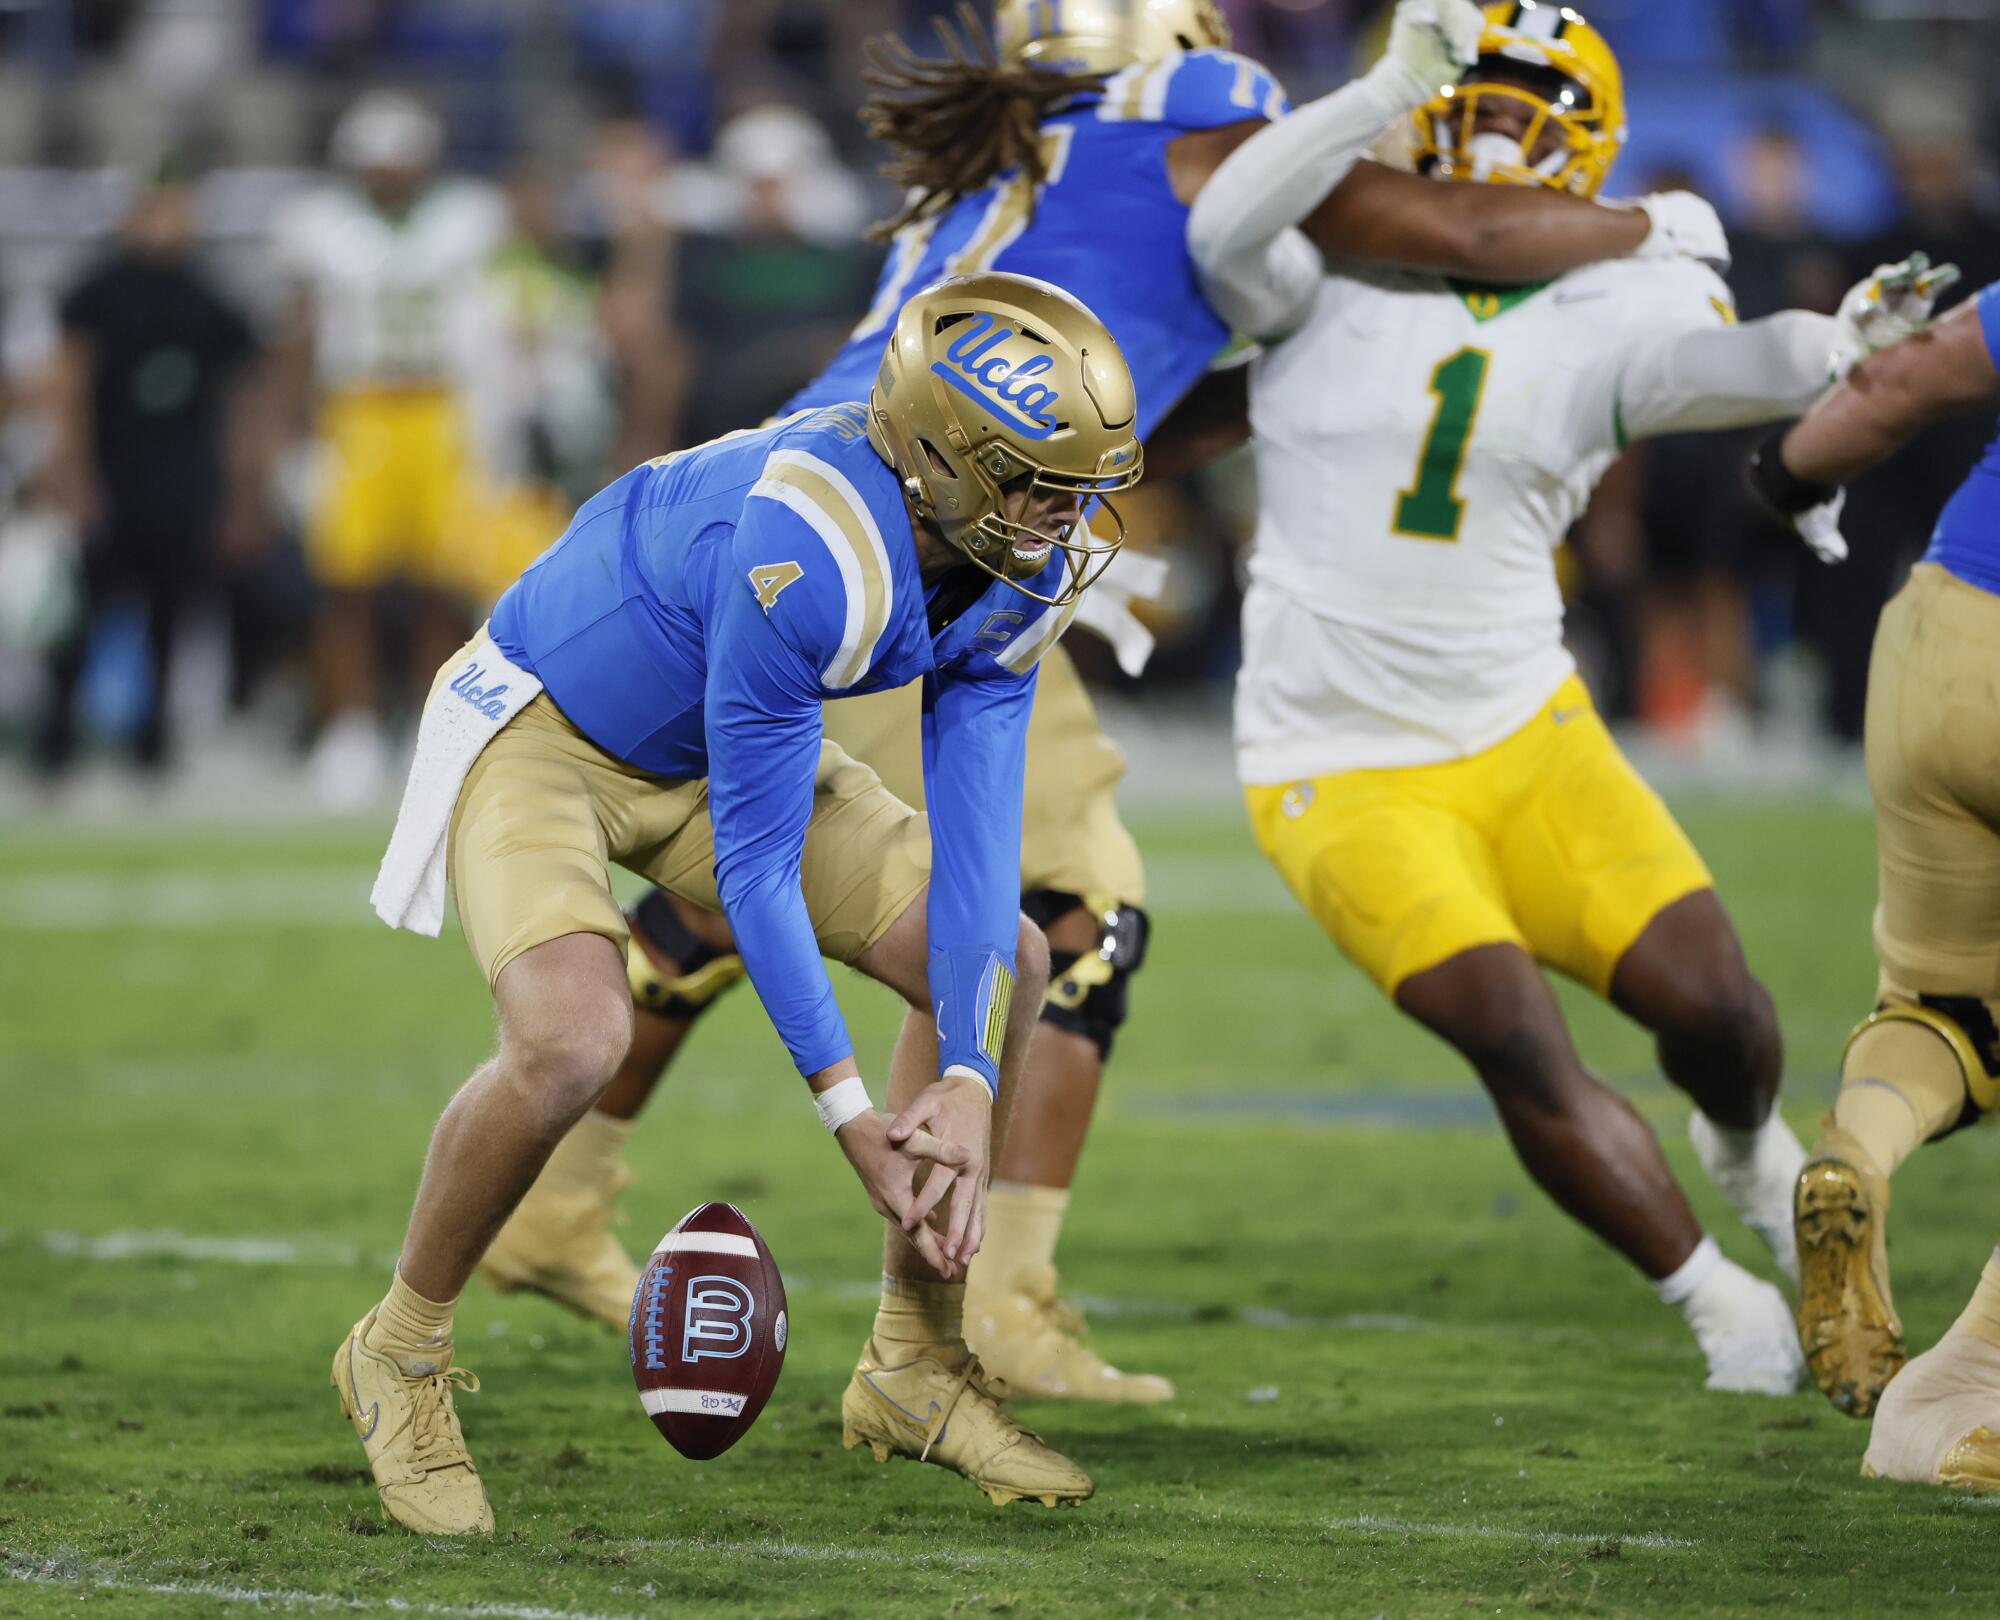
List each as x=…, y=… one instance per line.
x=998, y=386
x=717, y=1320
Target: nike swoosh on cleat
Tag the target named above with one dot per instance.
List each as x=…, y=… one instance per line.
x=918, y=1423
x=1562, y=717
x=375, y=1407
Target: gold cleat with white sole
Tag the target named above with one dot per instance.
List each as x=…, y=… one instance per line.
x=1848, y=1327
x=950, y=1415
x=559, y=1243
x=404, y=1416
x=1032, y=1340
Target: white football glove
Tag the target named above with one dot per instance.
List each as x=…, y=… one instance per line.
x=1819, y=528
x=1684, y=227
x=1431, y=44
x=1892, y=303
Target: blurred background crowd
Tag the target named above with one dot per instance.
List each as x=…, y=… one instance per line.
x=317, y=316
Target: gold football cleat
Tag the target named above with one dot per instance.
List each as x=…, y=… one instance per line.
x=1848, y=1327
x=408, y=1427
x=559, y=1243
x=1032, y=1340
x=951, y=1416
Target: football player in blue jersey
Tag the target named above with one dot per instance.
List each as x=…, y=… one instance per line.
x=648, y=693
x=1075, y=155
x=1927, y=1060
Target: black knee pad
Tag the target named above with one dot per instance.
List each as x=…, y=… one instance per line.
x=1087, y=989
x=704, y=973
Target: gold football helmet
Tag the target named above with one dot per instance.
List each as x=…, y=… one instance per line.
x=998, y=395
x=1557, y=76
x=1102, y=36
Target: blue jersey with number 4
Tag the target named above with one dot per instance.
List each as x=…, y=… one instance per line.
x=696, y=614
x=1106, y=228
x=1966, y=542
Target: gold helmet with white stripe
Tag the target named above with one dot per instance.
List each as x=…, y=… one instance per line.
x=1004, y=404
x=1102, y=36
x=1543, y=106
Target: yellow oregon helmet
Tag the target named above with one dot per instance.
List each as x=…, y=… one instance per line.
x=1102, y=36
x=994, y=385
x=1549, y=59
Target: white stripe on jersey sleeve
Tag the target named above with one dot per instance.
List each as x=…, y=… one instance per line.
x=822, y=494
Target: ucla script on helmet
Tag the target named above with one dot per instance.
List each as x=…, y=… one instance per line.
x=708, y=1331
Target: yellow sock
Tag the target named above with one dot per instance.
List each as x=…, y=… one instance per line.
x=407, y=1322
x=1981, y=1317
x=1900, y=1086
x=590, y=1157
x=915, y=1317
x=1023, y=1223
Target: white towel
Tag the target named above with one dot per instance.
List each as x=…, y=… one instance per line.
x=1106, y=607
x=463, y=715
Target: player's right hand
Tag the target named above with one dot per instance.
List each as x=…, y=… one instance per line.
x=1684, y=227
x=891, y=1173
x=1431, y=44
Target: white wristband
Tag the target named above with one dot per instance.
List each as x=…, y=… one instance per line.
x=839, y=1104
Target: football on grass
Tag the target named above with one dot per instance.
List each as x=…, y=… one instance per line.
x=708, y=1331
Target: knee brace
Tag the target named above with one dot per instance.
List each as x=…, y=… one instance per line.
x=694, y=973
x=1087, y=989
x=1893, y=1039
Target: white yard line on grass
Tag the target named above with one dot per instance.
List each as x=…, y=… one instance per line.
x=86, y=901
x=75, y=1573
x=1369, y=1524
x=801, y=1551
x=167, y=1243
x=271, y=897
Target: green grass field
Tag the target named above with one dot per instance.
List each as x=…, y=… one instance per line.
x=1410, y=1387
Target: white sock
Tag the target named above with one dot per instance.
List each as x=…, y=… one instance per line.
x=1695, y=1270
x=1756, y=1171
x=1742, y=1323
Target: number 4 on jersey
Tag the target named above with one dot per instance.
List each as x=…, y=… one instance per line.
x=770, y=581
x=1430, y=508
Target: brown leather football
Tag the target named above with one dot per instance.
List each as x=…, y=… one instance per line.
x=708, y=1331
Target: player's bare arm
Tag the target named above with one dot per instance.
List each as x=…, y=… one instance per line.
x=1893, y=396
x=1493, y=233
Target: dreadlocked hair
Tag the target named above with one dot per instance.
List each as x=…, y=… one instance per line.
x=954, y=124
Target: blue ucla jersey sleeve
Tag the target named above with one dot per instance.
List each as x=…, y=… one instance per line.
x=779, y=615
x=1195, y=90
x=1989, y=318
x=976, y=707
x=975, y=762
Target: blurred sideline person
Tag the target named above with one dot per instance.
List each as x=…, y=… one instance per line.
x=381, y=263
x=157, y=457
x=1075, y=158
x=1927, y=1060
x=538, y=389
x=649, y=692
x=1421, y=761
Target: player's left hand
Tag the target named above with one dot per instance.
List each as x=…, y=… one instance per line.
x=1431, y=44
x=1892, y=303
x=957, y=1113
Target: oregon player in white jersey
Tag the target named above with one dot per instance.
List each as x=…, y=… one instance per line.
x=1421, y=760
x=382, y=336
